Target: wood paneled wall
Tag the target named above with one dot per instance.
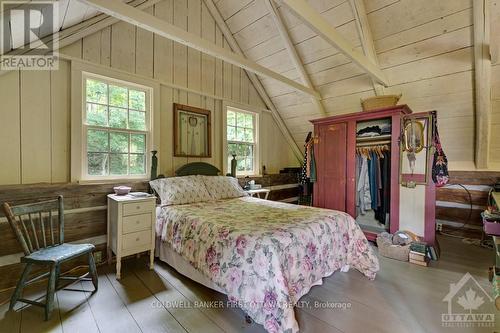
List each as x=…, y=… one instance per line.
x=453, y=204
x=35, y=111
x=425, y=47
x=85, y=215
x=495, y=82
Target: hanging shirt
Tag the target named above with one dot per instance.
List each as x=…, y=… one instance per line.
x=373, y=179
x=312, y=164
x=363, y=188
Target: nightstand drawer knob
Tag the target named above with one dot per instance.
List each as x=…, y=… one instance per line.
x=137, y=239
x=137, y=222
x=137, y=207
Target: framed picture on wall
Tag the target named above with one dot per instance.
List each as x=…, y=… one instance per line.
x=192, y=131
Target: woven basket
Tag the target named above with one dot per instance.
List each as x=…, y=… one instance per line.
x=379, y=102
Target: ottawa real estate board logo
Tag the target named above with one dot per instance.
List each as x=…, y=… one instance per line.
x=469, y=305
x=29, y=35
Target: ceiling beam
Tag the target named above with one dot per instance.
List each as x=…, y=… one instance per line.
x=302, y=10
x=162, y=28
x=86, y=28
x=365, y=34
x=292, y=52
x=482, y=72
x=254, y=79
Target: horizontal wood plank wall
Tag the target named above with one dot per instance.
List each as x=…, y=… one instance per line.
x=85, y=219
x=85, y=215
x=452, y=201
x=35, y=111
x=424, y=47
x=284, y=187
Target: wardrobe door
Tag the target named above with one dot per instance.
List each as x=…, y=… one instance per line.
x=332, y=170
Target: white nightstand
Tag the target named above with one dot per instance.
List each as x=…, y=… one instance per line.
x=258, y=192
x=131, y=227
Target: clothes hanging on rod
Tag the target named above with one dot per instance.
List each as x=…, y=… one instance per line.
x=308, y=173
x=309, y=165
x=373, y=181
x=363, y=197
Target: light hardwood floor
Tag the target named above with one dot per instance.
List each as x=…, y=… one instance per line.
x=403, y=298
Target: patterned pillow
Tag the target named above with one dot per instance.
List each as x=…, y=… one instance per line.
x=180, y=190
x=223, y=187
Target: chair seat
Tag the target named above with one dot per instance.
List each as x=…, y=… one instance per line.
x=58, y=253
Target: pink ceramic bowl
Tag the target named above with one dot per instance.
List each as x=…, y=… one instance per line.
x=121, y=190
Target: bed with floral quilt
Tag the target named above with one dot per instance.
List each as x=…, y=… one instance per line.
x=265, y=255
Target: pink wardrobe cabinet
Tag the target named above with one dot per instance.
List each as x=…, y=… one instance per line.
x=358, y=172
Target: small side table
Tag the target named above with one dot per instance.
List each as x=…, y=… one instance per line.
x=131, y=227
x=258, y=193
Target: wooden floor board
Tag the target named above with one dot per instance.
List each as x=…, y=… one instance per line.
x=169, y=298
x=10, y=321
x=75, y=312
x=402, y=298
x=229, y=319
x=108, y=309
x=32, y=317
x=140, y=303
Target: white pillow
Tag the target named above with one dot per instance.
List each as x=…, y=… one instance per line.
x=181, y=190
x=223, y=187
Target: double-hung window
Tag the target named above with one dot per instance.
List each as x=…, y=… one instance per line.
x=116, y=128
x=242, y=140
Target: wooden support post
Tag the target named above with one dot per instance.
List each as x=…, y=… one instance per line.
x=162, y=28
x=292, y=52
x=254, y=79
x=302, y=10
x=365, y=34
x=482, y=60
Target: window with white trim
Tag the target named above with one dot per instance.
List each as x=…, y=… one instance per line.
x=116, y=128
x=242, y=140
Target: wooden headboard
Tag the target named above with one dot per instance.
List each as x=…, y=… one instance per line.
x=197, y=168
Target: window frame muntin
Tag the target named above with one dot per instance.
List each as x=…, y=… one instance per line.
x=84, y=126
x=256, y=144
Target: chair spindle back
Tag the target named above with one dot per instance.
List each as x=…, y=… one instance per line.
x=34, y=223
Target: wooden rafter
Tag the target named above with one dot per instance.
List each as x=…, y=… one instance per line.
x=162, y=28
x=482, y=59
x=365, y=34
x=292, y=52
x=302, y=10
x=254, y=79
x=83, y=29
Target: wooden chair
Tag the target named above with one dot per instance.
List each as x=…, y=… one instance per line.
x=43, y=244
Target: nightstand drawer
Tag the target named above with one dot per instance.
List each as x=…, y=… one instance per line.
x=135, y=223
x=135, y=208
x=136, y=239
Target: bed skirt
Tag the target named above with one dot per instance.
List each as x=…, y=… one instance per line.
x=182, y=266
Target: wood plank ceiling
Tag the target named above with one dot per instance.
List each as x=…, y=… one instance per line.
x=71, y=12
x=256, y=32
x=254, y=29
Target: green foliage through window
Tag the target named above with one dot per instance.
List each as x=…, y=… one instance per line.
x=241, y=140
x=116, y=129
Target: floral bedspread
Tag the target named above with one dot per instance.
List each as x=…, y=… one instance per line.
x=266, y=255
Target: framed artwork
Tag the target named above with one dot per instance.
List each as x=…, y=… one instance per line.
x=192, y=131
